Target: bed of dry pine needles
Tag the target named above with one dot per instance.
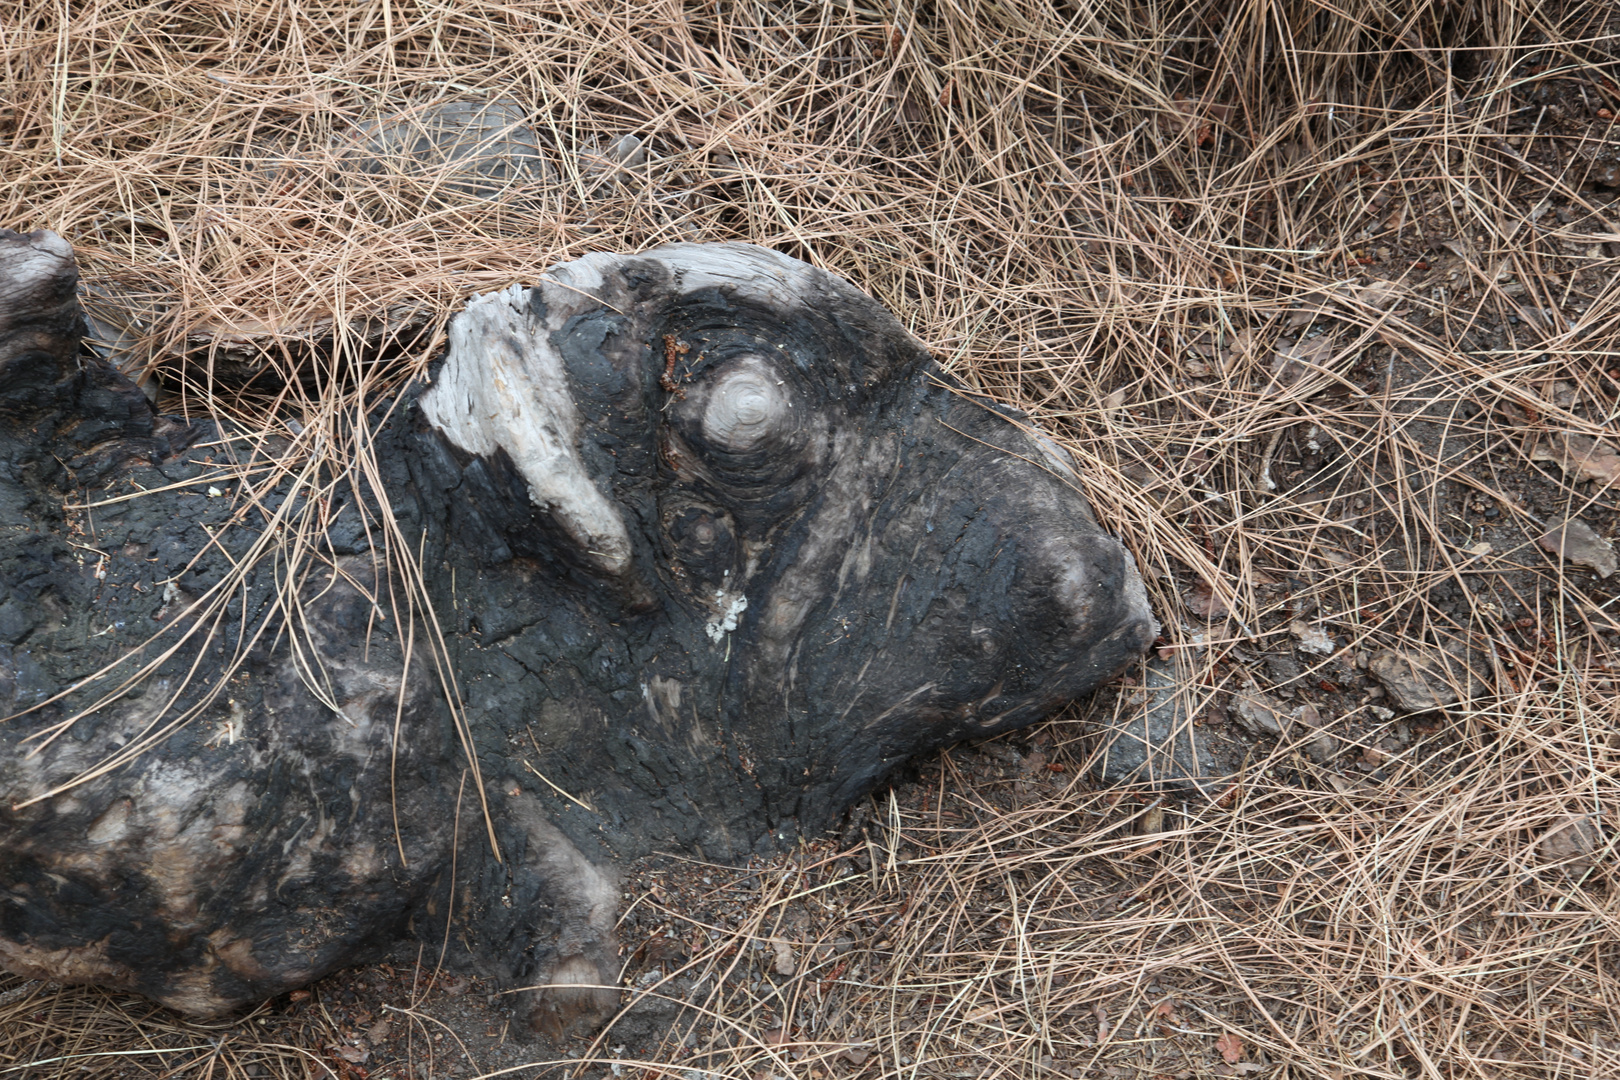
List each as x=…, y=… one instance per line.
x=1325, y=296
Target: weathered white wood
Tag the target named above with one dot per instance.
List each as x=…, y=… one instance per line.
x=747, y=271
x=745, y=407
x=503, y=387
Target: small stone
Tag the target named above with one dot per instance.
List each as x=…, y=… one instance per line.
x=1156, y=742
x=1257, y=714
x=475, y=148
x=1320, y=747
x=1420, y=682
x=1285, y=671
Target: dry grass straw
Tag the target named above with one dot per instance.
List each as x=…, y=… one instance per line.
x=1115, y=217
x=1403, y=929
x=49, y=1030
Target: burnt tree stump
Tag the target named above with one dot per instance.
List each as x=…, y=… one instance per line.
x=713, y=545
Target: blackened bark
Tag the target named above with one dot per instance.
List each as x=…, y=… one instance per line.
x=916, y=569
x=715, y=546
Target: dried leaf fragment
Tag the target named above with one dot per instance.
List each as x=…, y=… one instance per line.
x=1578, y=542
x=1312, y=639
x=1231, y=1048
x=1202, y=599
x=1293, y=362
x=1242, y=343
x=1581, y=457
x=1346, y=785
x=1379, y=294
x=1572, y=842
x=785, y=963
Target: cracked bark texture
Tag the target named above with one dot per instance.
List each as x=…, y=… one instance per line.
x=715, y=546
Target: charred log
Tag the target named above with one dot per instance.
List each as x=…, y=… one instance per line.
x=713, y=545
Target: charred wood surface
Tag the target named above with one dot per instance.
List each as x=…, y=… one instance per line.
x=713, y=544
